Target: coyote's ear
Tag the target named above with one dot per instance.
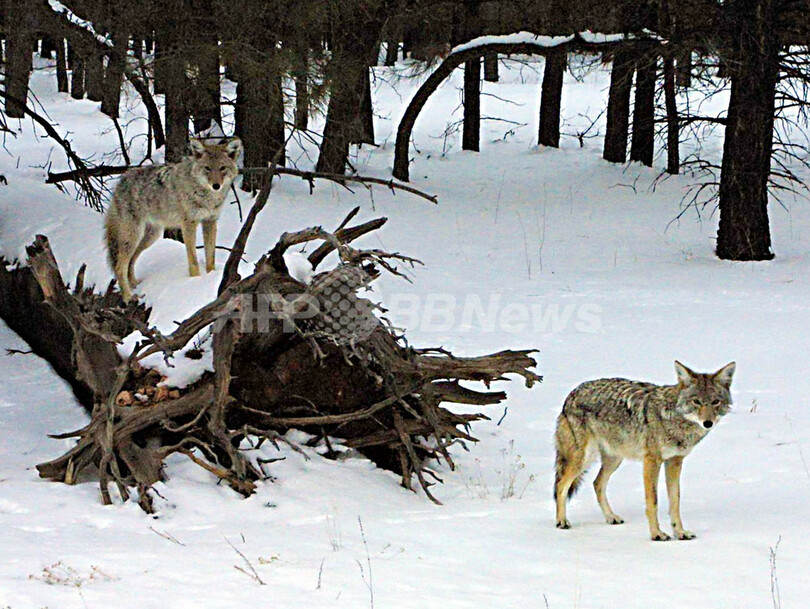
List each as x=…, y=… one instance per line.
x=233, y=146
x=197, y=148
x=724, y=375
x=685, y=375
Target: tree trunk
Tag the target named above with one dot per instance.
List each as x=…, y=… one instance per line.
x=206, y=103
x=76, y=75
x=684, y=70
x=176, y=120
x=744, y=232
x=642, y=144
x=491, y=67
x=551, y=99
x=47, y=48
x=159, y=75
x=391, y=52
x=94, y=75
x=471, y=134
x=19, y=60
x=354, y=48
x=114, y=74
x=260, y=106
x=344, y=110
x=673, y=128
x=618, y=112
x=301, y=102
x=61, y=66
x=365, y=129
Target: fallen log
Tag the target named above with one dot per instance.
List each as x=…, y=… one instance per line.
x=286, y=355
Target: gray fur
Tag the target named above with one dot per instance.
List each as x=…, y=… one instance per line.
x=623, y=419
x=179, y=195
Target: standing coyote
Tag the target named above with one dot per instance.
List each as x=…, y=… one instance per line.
x=625, y=419
x=180, y=195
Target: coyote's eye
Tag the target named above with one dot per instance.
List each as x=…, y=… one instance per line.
x=223, y=168
x=715, y=402
x=696, y=401
x=208, y=169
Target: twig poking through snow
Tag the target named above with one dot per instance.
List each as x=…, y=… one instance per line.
x=370, y=582
x=252, y=574
x=777, y=601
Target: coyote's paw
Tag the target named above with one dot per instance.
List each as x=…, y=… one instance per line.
x=685, y=535
x=614, y=519
x=564, y=524
x=660, y=536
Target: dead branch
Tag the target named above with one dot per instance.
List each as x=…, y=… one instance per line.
x=82, y=174
x=290, y=370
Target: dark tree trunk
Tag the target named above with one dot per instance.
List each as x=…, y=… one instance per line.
x=684, y=72
x=341, y=119
x=47, y=48
x=239, y=110
x=300, y=72
x=114, y=74
x=76, y=75
x=61, y=66
x=94, y=75
x=471, y=134
x=161, y=67
x=391, y=52
x=673, y=129
x=551, y=99
x=301, y=102
x=207, y=108
x=342, y=116
x=365, y=129
x=19, y=61
x=491, y=67
x=642, y=145
x=260, y=107
x=177, y=111
x=354, y=48
x=618, y=111
x=744, y=232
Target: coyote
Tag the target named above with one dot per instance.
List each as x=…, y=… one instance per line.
x=633, y=420
x=179, y=195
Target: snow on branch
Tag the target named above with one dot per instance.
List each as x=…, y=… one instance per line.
x=550, y=42
x=63, y=10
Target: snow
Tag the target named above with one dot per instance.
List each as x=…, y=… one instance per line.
x=528, y=247
x=516, y=38
x=549, y=41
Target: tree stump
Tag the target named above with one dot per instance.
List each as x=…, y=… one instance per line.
x=287, y=355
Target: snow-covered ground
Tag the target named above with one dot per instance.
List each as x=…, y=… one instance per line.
x=528, y=247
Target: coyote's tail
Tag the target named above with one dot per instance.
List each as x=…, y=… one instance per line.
x=559, y=469
x=567, y=446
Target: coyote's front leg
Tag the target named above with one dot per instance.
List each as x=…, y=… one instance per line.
x=652, y=467
x=672, y=469
x=189, y=229
x=210, y=241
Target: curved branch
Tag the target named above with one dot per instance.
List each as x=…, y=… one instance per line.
x=474, y=50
